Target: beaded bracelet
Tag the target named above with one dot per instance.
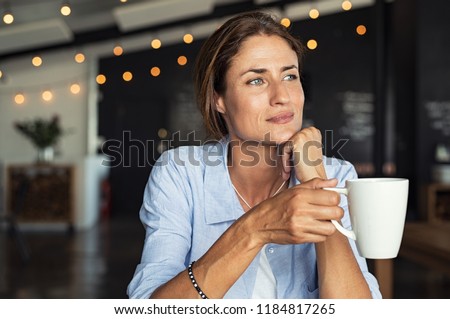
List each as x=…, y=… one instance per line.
x=194, y=282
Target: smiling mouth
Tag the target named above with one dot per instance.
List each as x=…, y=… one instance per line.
x=282, y=118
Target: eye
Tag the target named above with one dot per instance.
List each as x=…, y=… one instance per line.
x=256, y=82
x=291, y=77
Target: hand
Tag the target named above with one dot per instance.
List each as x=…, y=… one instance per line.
x=297, y=215
x=304, y=151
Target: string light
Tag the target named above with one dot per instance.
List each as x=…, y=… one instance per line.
x=65, y=9
x=346, y=5
x=285, y=22
x=156, y=43
x=79, y=57
x=182, y=60
x=314, y=13
x=311, y=44
x=75, y=88
x=123, y=1
x=100, y=79
x=163, y=133
x=155, y=71
x=19, y=98
x=47, y=95
x=1, y=74
x=188, y=38
x=8, y=17
x=36, y=61
x=127, y=76
x=361, y=29
x=118, y=50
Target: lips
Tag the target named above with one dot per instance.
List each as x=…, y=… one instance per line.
x=281, y=118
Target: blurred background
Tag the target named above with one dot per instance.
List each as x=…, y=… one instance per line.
x=91, y=93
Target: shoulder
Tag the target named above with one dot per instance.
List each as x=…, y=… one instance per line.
x=192, y=156
x=340, y=169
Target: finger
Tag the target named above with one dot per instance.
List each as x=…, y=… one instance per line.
x=327, y=210
x=323, y=228
x=312, y=238
x=316, y=231
x=327, y=213
x=286, y=159
x=319, y=183
x=313, y=198
x=322, y=183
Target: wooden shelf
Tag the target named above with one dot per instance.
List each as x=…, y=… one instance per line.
x=438, y=203
x=41, y=193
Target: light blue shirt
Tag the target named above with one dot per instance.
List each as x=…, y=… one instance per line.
x=189, y=202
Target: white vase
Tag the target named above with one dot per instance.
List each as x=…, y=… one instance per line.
x=45, y=154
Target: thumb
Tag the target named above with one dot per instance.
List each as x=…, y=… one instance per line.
x=332, y=182
x=318, y=183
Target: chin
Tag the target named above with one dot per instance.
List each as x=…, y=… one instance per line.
x=281, y=137
x=273, y=138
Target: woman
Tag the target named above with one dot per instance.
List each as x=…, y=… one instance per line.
x=249, y=210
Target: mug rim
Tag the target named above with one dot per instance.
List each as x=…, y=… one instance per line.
x=377, y=179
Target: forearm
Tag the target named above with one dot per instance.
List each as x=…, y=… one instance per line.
x=339, y=272
x=219, y=268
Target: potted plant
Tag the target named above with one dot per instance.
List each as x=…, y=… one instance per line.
x=43, y=133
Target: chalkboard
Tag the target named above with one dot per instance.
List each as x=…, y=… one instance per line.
x=357, y=110
x=438, y=113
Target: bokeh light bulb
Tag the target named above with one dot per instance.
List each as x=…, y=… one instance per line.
x=100, y=79
x=8, y=18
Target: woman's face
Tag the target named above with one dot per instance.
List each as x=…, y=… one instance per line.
x=263, y=100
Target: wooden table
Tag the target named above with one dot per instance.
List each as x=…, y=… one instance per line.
x=425, y=243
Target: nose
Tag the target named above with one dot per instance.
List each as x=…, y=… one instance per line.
x=279, y=94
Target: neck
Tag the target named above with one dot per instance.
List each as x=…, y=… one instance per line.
x=255, y=170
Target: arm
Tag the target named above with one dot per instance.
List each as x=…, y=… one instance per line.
x=218, y=269
x=338, y=270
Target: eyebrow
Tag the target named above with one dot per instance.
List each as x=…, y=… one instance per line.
x=262, y=70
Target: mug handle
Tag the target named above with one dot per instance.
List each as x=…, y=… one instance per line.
x=348, y=233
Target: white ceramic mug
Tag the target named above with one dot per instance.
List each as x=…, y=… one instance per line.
x=377, y=212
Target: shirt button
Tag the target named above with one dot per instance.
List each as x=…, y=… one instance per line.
x=270, y=250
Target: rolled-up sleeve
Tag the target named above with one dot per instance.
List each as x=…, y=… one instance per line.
x=165, y=214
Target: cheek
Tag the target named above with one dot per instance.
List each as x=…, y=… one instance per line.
x=243, y=105
x=244, y=115
x=299, y=97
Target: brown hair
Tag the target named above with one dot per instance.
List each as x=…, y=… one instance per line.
x=216, y=54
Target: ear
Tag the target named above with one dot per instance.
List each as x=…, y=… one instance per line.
x=219, y=103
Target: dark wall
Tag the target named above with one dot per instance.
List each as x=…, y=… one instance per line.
x=433, y=82
x=421, y=56
x=402, y=47
x=131, y=113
